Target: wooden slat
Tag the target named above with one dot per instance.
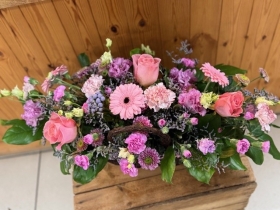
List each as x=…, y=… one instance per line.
x=13, y=3
x=152, y=191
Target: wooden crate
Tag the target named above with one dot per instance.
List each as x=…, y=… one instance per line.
x=112, y=190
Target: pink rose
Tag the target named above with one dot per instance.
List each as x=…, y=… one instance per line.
x=230, y=104
x=60, y=130
x=146, y=69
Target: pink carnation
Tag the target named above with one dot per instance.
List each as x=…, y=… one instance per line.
x=214, y=74
x=242, y=146
x=206, y=146
x=136, y=142
x=265, y=146
x=159, y=97
x=58, y=93
x=88, y=139
x=143, y=120
x=265, y=116
x=92, y=85
x=82, y=161
x=128, y=168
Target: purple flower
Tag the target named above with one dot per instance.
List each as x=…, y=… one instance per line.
x=58, y=93
x=265, y=146
x=85, y=108
x=161, y=122
x=143, y=120
x=108, y=91
x=33, y=112
x=97, y=136
x=242, y=146
x=136, y=142
x=88, y=139
x=188, y=62
x=128, y=168
x=119, y=67
x=191, y=101
x=249, y=116
x=149, y=159
x=187, y=154
x=82, y=161
x=184, y=79
x=194, y=121
x=206, y=146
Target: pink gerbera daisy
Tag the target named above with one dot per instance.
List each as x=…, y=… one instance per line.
x=214, y=74
x=127, y=100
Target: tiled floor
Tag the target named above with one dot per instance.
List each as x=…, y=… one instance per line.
x=34, y=182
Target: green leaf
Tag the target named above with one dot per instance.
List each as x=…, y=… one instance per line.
x=10, y=122
x=236, y=163
x=135, y=51
x=210, y=121
x=167, y=165
x=255, y=128
x=256, y=155
x=84, y=60
x=83, y=176
x=199, y=75
x=21, y=134
x=230, y=70
x=273, y=149
x=102, y=161
x=202, y=175
x=65, y=167
x=275, y=126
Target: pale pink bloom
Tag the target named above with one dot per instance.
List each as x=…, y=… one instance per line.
x=128, y=168
x=85, y=107
x=58, y=93
x=206, y=145
x=242, y=146
x=194, y=121
x=265, y=146
x=265, y=116
x=61, y=70
x=214, y=74
x=26, y=79
x=159, y=97
x=249, y=116
x=46, y=85
x=82, y=161
x=127, y=100
x=92, y=85
x=143, y=120
x=264, y=74
x=187, y=154
x=136, y=142
x=27, y=87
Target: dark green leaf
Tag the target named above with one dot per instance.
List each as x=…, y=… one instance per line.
x=255, y=128
x=199, y=75
x=135, y=51
x=167, y=165
x=65, y=167
x=83, y=59
x=10, y=122
x=255, y=154
x=83, y=176
x=102, y=161
x=21, y=134
x=202, y=175
x=273, y=150
x=230, y=70
x=236, y=163
x=275, y=126
x=210, y=122
x=66, y=148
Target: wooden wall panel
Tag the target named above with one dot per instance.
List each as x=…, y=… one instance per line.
x=37, y=37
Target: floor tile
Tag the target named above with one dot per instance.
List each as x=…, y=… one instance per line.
x=55, y=189
x=18, y=180
x=266, y=195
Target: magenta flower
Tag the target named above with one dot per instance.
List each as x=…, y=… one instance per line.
x=187, y=154
x=184, y=79
x=143, y=120
x=214, y=74
x=191, y=101
x=242, y=146
x=136, y=142
x=249, y=116
x=206, y=145
x=149, y=159
x=188, y=62
x=82, y=161
x=58, y=93
x=265, y=116
x=161, y=123
x=194, y=121
x=265, y=146
x=88, y=139
x=128, y=168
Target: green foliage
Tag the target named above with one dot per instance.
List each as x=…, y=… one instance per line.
x=135, y=51
x=211, y=122
x=167, y=165
x=230, y=70
x=273, y=150
x=255, y=128
x=20, y=133
x=202, y=175
x=236, y=163
x=65, y=167
x=83, y=59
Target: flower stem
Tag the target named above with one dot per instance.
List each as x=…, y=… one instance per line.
x=62, y=82
x=208, y=83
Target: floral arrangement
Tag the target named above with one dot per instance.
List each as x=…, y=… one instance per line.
x=137, y=114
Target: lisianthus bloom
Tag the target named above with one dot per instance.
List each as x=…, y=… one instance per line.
x=159, y=97
x=92, y=85
x=82, y=161
x=264, y=74
x=27, y=87
x=123, y=153
x=265, y=116
x=136, y=142
x=127, y=100
x=161, y=122
x=58, y=93
x=146, y=69
x=191, y=101
x=242, y=146
x=17, y=92
x=187, y=154
x=214, y=74
x=33, y=112
x=206, y=145
x=149, y=159
x=249, y=116
x=265, y=146
x=194, y=121
x=128, y=168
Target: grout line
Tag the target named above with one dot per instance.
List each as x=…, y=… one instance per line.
x=38, y=180
x=24, y=153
